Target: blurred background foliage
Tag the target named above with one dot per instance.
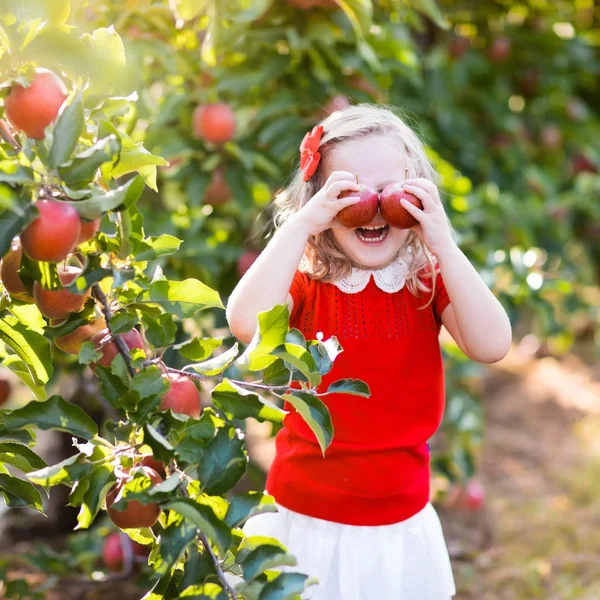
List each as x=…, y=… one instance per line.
x=505, y=94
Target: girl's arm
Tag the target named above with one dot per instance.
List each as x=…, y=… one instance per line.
x=268, y=281
x=474, y=318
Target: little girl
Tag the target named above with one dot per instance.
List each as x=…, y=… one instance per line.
x=359, y=519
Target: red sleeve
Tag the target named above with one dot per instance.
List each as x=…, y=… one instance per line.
x=298, y=292
x=441, y=298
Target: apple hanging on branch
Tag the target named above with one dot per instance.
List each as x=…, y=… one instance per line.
x=31, y=109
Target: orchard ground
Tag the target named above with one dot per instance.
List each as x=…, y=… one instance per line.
x=539, y=533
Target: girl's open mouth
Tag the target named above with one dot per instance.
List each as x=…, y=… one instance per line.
x=372, y=235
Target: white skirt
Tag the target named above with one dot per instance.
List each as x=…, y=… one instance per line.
x=403, y=561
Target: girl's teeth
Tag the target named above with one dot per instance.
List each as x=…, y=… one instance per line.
x=372, y=240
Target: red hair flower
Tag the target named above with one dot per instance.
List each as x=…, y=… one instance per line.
x=309, y=152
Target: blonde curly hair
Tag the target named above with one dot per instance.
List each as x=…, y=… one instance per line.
x=323, y=258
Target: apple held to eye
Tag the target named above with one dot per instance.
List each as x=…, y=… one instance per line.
x=361, y=213
x=392, y=210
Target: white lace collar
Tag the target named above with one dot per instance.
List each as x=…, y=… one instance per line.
x=390, y=279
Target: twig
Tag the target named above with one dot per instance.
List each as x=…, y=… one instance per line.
x=220, y=573
x=8, y=137
x=100, y=296
x=201, y=377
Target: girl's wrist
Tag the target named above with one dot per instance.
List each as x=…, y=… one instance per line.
x=447, y=253
x=298, y=225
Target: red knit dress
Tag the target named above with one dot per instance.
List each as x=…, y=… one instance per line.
x=376, y=470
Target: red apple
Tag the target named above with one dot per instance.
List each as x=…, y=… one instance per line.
x=246, y=260
x=474, y=497
x=361, y=213
x=551, y=137
x=33, y=108
x=218, y=190
x=458, y=47
x=392, y=211
x=113, y=553
x=59, y=304
x=214, y=123
x=580, y=163
x=135, y=514
x=9, y=272
x=158, y=465
x=88, y=230
x=54, y=234
x=107, y=346
x=182, y=396
x=500, y=49
x=5, y=389
x=71, y=342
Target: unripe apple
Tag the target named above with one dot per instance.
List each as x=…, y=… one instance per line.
x=58, y=304
x=54, y=234
x=109, y=349
x=33, y=108
x=5, y=389
x=182, y=396
x=9, y=272
x=88, y=230
x=246, y=260
x=71, y=342
x=113, y=554
x=500, y=49
x=135, y=514
x=392, y=211
x=218, y=190
x=214, y=123
x=361, y=213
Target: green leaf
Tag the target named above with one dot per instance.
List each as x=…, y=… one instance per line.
x=19, y=368
x=223, y=463
x=430, y=9
x=216, y=365
x=22, y=436
x=66, y=133
x=97, y=484
x=316, y=415
x=350, y=386
x=12, y=223
x=149, y=382
x=240, y=403
x=55, y=413
x=18, y=493
x=204, y=517
x=31, y=347
x=265, y=556
x=82, y=169
x=160, y=332
x=301, y=359
x=101, y=202
x=243, y=506
x=173, y=542
x=198, y=349
x=67, y=471
x=13, y=173
x=187, y=10
x=273, y=326
x=360, y=14
x=286, y=586
x=20, y=456
x=154, y=247
x=182, y=298
x=134, y=157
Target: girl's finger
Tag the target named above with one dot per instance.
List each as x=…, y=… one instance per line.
x=338, y=175
x=428, y=186
x=429, y=204
x=335, y=189
x=416, y=212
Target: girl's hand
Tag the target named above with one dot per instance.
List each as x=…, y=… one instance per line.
x=319, y=212
x=433, y=228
